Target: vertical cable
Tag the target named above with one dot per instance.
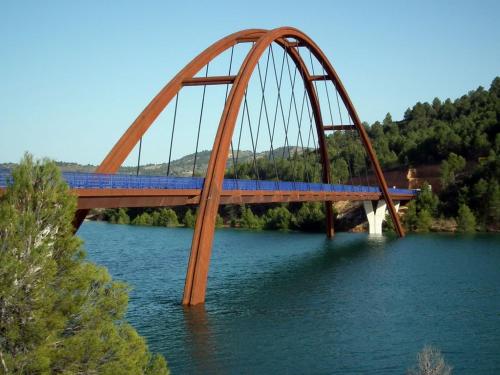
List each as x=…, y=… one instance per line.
x=279, y=103
x=263, y=88
x=328, y=96
x=225, y=100
x=199, y=122
x=316, y=144
x=317, y=93
x=172, y=136
x=254, y=146
x=345, y=137
x=317, y=160
x=139, y=157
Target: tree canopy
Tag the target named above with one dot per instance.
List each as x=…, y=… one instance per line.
x=58, y=312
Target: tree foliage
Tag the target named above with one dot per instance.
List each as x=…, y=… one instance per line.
x=461, y=135
x=119, y=216
x=466, y=220
x=277, y=218
x=144, y=219
x=450, y=167
x=58, y=312
x=422, y=210
x=189, y=219
x=165, y=217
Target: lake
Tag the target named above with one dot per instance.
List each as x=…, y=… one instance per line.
x=295, y=303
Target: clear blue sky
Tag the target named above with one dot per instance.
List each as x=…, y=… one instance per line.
x=74, y=75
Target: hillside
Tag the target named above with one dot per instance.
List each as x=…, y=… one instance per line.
x=179, y=167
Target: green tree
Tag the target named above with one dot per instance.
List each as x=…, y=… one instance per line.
x=427, y=200
x=466, y=220
x=219, y=222
x=122, y=217
x=119, y=216
x=144, y=219
x=310, y=217
x=58, y=312
x=189, y=219
x=410, y=219
x=249, y=220
x=450, y=167
x=424, y=221
x=277, y=218
x=167, y=218
x=494, y=201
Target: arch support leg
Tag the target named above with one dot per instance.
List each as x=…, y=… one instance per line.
x=201, y=249
x=330, y=232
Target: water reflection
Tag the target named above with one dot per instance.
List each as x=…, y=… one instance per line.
x=200, y=339
x=284, y=279
x=297, y=303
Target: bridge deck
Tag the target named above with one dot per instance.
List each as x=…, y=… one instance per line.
x=96, y=190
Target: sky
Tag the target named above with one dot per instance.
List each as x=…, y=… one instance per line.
x=75, y=74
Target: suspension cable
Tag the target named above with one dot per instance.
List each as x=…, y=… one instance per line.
x=245, y=106
x=139, y=157
x=328, y=96
x=225, y=100
x=172, y=136
x=263, y=86
x=317, y=94
x=278, y=98
x=287, y=124
x=305, y=151
x=345, y=135
x=239, y=137
x=317, y=160
x=298, y=119
x=199, y=122
x=316, y=144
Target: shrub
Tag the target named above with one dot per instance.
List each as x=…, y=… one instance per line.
x=189, y=219
x=430, y=361
x=466, y=220
x=277, y=218
x=166, y=218
x=143, y=219
x=249, y=220
x=219, y=222
x=310, y=217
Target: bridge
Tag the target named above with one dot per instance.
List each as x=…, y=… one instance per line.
x=304, y=72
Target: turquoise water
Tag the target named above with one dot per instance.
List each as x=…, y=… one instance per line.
x=298, y=303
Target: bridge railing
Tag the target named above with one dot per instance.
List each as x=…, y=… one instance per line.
x=79, y=180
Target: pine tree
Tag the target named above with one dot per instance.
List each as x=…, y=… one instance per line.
x=466, y=220
x=189, y=219
x=58, y=312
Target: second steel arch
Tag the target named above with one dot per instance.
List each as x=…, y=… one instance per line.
x=197, y=274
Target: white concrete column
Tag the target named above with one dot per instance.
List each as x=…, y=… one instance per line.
x=380, y=215
x=376, y=216
x=370, y=216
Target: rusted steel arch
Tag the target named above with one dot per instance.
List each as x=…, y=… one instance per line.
x=136, y=130
x=194, y=291
x=196, y=279
x=332, y=74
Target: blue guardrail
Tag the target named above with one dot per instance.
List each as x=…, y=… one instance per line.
x=78, y=180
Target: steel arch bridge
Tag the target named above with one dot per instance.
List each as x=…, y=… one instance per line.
x=212, y=190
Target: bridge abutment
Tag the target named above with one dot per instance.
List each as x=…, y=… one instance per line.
x=375, y=214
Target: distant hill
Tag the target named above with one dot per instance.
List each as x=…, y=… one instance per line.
x=179, y=167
